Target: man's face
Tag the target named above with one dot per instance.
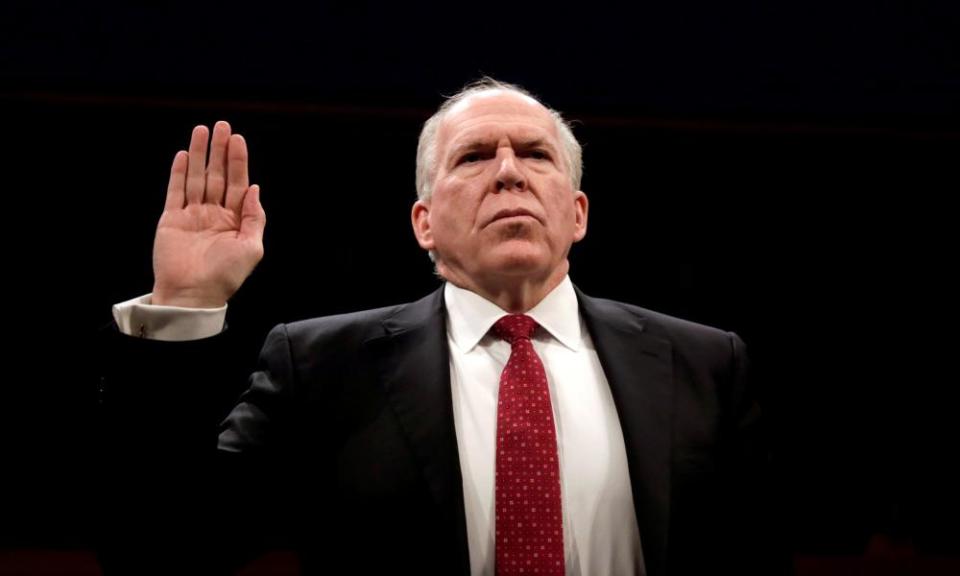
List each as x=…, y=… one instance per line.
x=503, y=205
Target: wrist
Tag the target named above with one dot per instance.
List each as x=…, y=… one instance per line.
x=184, y=299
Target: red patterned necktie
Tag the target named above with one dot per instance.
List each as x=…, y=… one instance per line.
x=528, y=519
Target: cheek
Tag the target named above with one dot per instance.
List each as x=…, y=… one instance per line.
x=455, y=219
x=563, y=212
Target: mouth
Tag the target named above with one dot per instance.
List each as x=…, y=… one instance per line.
x=513, y=213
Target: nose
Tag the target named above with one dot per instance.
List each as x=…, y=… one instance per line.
x=509, y=174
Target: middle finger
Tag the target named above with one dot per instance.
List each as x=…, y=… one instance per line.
x=216, y=182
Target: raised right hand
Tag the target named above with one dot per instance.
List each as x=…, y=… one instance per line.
x=210, y=235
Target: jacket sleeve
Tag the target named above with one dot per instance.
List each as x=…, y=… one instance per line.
x=174, y=495
x=753, y=542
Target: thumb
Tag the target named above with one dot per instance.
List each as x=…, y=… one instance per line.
x=252, y=217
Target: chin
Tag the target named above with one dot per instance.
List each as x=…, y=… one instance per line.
x=518, y=262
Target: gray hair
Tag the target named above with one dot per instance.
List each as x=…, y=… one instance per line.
x=427, y=146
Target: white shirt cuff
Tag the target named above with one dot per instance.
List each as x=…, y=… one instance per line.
x=138, y=317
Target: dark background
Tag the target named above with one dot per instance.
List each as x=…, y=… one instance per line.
x=782, y=169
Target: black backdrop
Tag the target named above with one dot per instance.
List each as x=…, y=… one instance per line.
x=782, y=171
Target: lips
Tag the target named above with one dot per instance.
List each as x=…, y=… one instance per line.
x=513, y=212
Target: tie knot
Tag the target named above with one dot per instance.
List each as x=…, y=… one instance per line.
x=514, y=327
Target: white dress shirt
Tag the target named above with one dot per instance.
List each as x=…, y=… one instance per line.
x=600, y=533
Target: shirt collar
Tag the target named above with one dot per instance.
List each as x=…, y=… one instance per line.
x=470, y=316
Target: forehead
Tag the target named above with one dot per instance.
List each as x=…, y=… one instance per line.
x=494, y=115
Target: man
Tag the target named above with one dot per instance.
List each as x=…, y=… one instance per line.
x=505, y=424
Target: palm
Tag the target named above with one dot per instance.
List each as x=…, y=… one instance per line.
x=209, y=237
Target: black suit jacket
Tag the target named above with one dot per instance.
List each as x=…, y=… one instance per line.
x=343, y=446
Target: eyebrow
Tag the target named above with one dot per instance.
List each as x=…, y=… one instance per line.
x=535, y=143
x=474, y=145
x=469, y=146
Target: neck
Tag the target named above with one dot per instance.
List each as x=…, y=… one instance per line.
x=515, y=294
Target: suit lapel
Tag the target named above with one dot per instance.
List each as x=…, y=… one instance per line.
x=638, y=367
x=412, y=359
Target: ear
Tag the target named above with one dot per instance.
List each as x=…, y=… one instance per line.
x=420, y=218
x=581, y=207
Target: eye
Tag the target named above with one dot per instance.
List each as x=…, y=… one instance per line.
x=469, y=157
x=538, y=154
